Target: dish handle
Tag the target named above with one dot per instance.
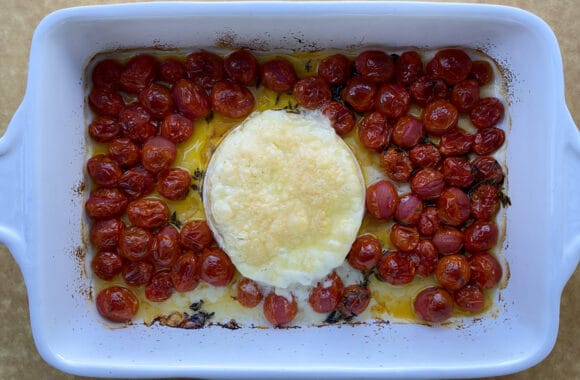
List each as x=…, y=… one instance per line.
x=12, y=189
x=570, y=202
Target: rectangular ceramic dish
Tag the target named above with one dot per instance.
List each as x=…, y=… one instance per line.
x=42, y=185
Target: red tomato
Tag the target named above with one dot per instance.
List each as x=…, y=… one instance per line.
x=176, y=128
x=404, y=238
x=392, y=100
x=242, y=67
x=407, y=132
x=487, y=169
x=409, y=209
x=106, y=203
x=216, y=267
x=453, y=272
x=428, y=221
x=427, y=89
x=137, y=273
x=456, y=143
x=105, y=102
x=470, y=298
x=488, y=140
x=204, y=68
x=324, y=297
x=482, y=72
x=396, y=164
x=137, y=182
x=425, y=258
x=107, y=74
x=396, y=268
x=174, y=183
x=359, y=93
x=457, y=172
x=168, y=248
x=381, y=199
x=484, y=200
x=104, y=171
x=104, y=129
x=136, y=243
x=355, y=300
x=425, y=156
x=486, y=271
x=428, y=183
x=451, y=65
x=106, y=265
x=453, y=206
x=312, y=92
x=125, y=151
x=375, y=66
x=448, y=240
x=136, y=123
x=481, y=236
x=373, y=131
x=278, y=75
x=232, y=100
x=160, y=287
x=191, y=99
x=487, y=112
x=341, y=118
x=433, y=305
x=104, y=234
x=117, y=304
x=158, y=154
x=279, y=310
x=335, y=69
x=148, y=213
x=138, y=73
x=157, y=100
x=196, y=235
x=408, y=68
x=465, y=95
x=440, y=117
x=364, y=253
x=185, y=272
x=171, y=70
x=248, y=293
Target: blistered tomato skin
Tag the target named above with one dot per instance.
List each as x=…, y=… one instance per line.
x=487, y=169
x=488, y=140
x=185, y=272
x=457, y=172
x=105, y=102
x=465, y=95
x=117, y=304
x=451, y=65
x=428, y=183
x=407, y=132
x=408, y=68
x=104, y=129
x=396, y=164
x=157, y=100
x=204, y=68
x=359, y=93
x=484, y=201
x=373, y=131
x=481, y=236
x=425, y=258
x=440, y=117
x=216, y=268
x=106, y=203
x=409, y=209
x=138, y=73
x=448, y=240
x=103, y=170
x=341, y=118
x=232, y=100
x=242, y=67
x=176, y=128
x=482, y=72
x=470, y=298
x=381, y=200
x=136, y=243
x=396, y=268
x=104, y=234
x=107, y=74
x=136, y=123
x=324, y=297
x=148, y=213
x=428, y=221
x=196, y=235
x=487, y=112
x=392, y=100
x=453, y=272
x=335, y=69
x=375, y=66
x=125, y=152
x=160, y=287
x=248, y=293
x=404, y=238
x=158, y=154
x=106, y=265
x=456, y=143
x=136, y=182
x=279, y=310
x=433, y=305
x=174, y=183
x=137, y=273
x=312, y=92
x=427, y=89
x=364, y=253
x=425, y=156
x=168, y=248
x=355, y=300
x=191, y=99
x=453, y=206
x=278, y=75
x=486, y=271
x=171, y=70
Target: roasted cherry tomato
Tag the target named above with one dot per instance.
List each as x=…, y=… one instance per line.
x=440, y=117
x=428, y=183
x=312, y=92
x=355, y=300
x=373, y=131
x=457, y=172
x=157, y=100
x=107, y=74
x=174, y=183
x=168, y=248
x=408, y=68
x=335, y=69
x=482, y=72
x=364, y=253
x=104, y=234
x=488, y=140
x=104, y=129
x=125, y=151
x=482, y=235
x=484, y=200
x=453, y=206
x=106, y=203
x=148, y=213
x=427, y=89
x=392, y=100
x=359, y=93
x=136, y=243
x=107, y=264
x=375, y=66
x=409, y=209
x=487, y=112
x=279, y=310
x=185, y=272
x=105, y=102
x=248, y=293
x=137, y=182
x=341, y=118
x=171, y=70
x=487, y=169
x=138, y=73
x=137, y=273
x=381, y=199
x=453, y=272
x=404, y=238
x=407, y=132
x=117, y=304
x=456, y=143
x=103, y=170
x=204, y=68
x=232, y=100
x=428, y=222
x=425, y=258
x=465, y=95
x=324, y=297
x=216, y=268
x=396, y=164
x=470, y=298
x=176, y=128
x=448, y=240
x=425, y=156
x=136, y=123
x=451, y=65
x=160, y=287
x=242, y=67
x=196, y=235
x=433, y=305
x=278, y=75
x=396, y=268
x=158, y=154
x=191, y=99
x=486, y=271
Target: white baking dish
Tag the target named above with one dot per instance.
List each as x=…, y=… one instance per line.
x=41, y=174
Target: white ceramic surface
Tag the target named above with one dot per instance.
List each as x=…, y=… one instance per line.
x=41, y=169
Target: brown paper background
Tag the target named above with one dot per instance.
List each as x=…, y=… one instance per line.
x=18, y=19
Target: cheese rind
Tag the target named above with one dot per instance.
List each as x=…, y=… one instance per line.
x=284, y=197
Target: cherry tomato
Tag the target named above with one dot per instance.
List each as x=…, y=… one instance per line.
x=440, y=117
x=482, y=72
x=136, y=123
x=375, y=66
x=312, y=92
x=487, y=112
x=248, y=293
x=487, y=169
x=428, y=222
x=176, y=128
x=364, y=253
x=457, y=172
x=104, y=129
x=451, y=65
x=196, y=235
x=138, y=73
x=448, y=240
x=381, y=199
x=216, y=268
x=433, y=305
x=324, y=297
x=425, y=258
x=408, y=68
x=185, y=272
x=278, y=75
x=160, y=287
x=171, y=70
x=335, y=69
x=341, y=118
x=190, y=99
x=106, y=265
x=428, y=183
x=168, y=248
x=137, y=273
x=408, y=132
x=427, y=89
x=104, y=234
x=396, y=164
x=104, y=171
x=105, y=102
x=204, y=68
x=107, y=74
x=117, y=304
x=404, y=238
x=136, y=243
x=488, y=140
x=157, y=100
x=232, y=100
x=137, y=182
x=125, y=152
x=409, y=209
x=486, y=271
x=456, y=143
x=355, y=300
x=425, y=156
x=279, y=310
x=242, y=67
x=148, y=213
x=106, y=203
x=453, y=272
x=174, y=183
x=359, y=93
x=373, y=131
x=158, y=154
x=453, y=206
x=484, y=200
x=465, y=95
x=392, y=100
x=482, y=235
x=396, y=268
x=470, y=298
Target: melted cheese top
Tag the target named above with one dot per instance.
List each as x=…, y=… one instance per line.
x=284, y=197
